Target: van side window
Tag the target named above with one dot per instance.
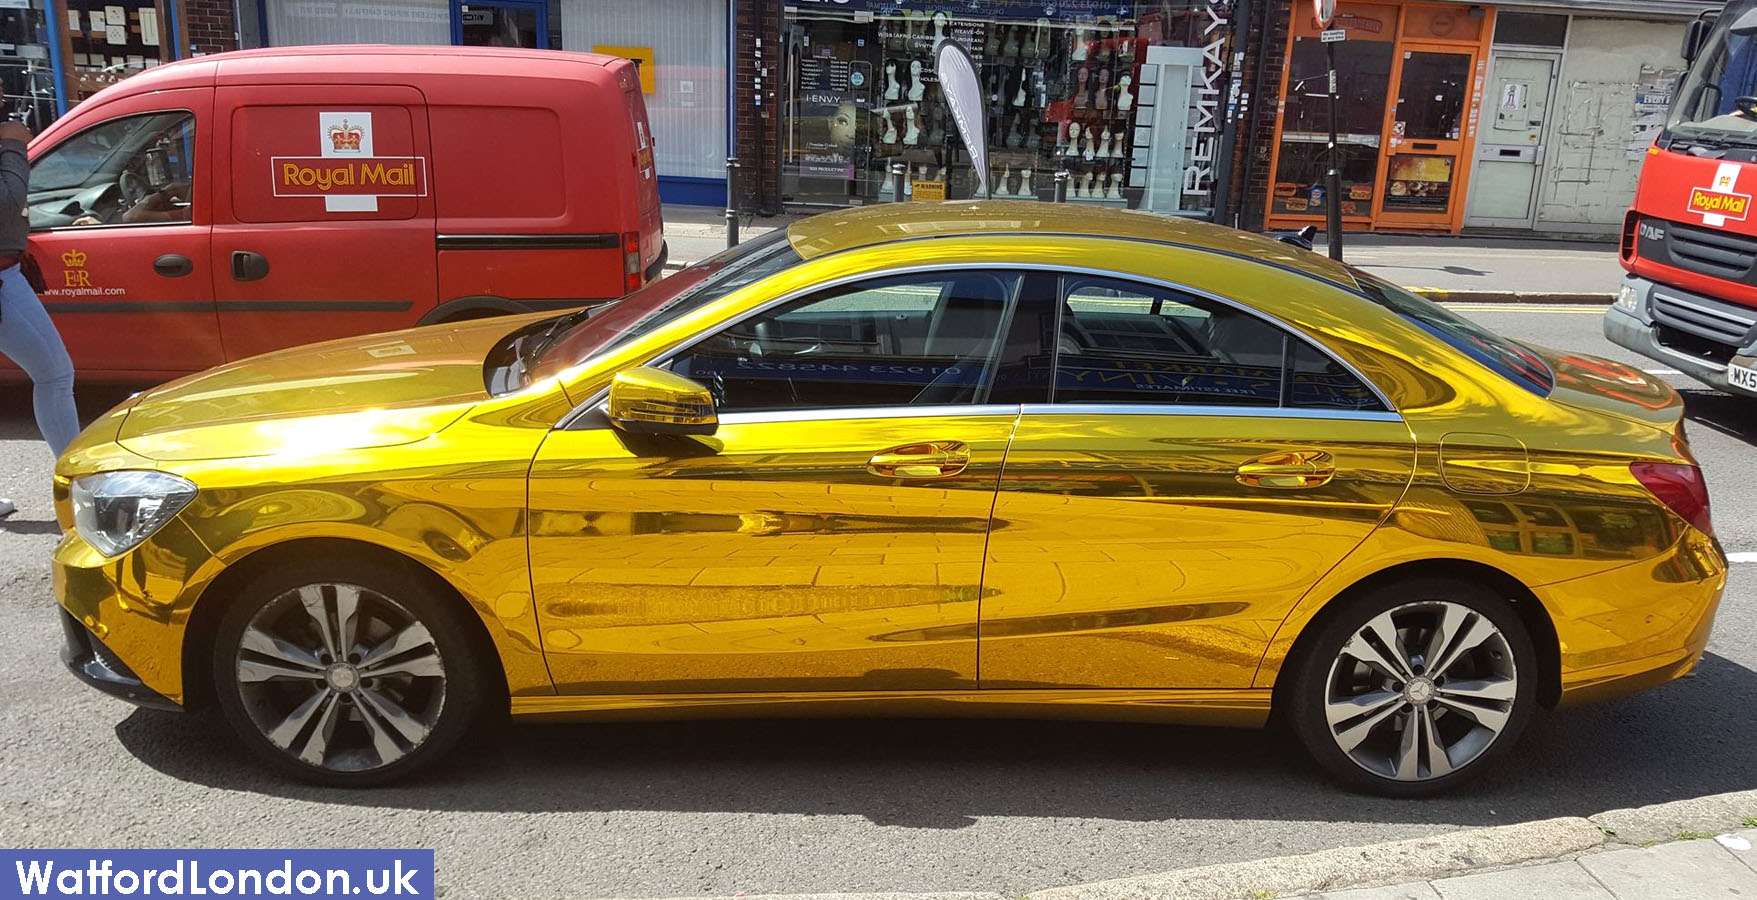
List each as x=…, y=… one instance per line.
x=136, y=170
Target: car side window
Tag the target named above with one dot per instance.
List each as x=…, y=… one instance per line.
x=912, y=340
x=133, y=170
x=1122, y=342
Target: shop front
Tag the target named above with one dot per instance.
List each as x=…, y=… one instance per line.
x=1127, y=99
x=59, y=53
x=1410, y=91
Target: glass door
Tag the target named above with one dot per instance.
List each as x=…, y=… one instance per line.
x=501, y=23
x=1425, y=137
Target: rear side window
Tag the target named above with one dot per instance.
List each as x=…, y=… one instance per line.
x=1126, y=343
x=1508, y=359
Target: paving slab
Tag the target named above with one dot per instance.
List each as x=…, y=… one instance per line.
x=1556, y=881
x=1748, y=857
x=1683, y=870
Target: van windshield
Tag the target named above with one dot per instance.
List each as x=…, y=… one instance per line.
x=602, y=328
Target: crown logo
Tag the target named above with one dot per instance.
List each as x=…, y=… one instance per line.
x=346, y=137
x=73, y=259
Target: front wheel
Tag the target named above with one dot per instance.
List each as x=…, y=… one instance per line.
x=1413, y=688
x=351, y=679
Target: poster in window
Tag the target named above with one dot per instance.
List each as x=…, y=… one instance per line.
x=1420, y=182
x=149, y=26
x=828, y=128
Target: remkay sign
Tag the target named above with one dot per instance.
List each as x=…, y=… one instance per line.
x=1205, y=126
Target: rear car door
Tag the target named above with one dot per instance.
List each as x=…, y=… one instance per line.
x=828, y=537
x=1197, y=470
x=326, y=224
x=120, y=216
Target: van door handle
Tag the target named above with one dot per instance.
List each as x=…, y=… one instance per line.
x=1288, y=470
x=248, y=266
x=927, y=459
x=173, y=265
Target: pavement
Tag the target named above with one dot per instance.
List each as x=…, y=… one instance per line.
x=967, y=810
x=1444, y=267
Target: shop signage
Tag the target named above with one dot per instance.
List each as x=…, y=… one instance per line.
x=1205, y=130
x=963, y=94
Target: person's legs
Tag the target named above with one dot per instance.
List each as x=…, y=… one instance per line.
x=29, y=339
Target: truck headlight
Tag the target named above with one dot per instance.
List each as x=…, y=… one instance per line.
x=115, y=511
x=1628, y=299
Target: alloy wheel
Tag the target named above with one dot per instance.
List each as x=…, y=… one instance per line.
x=340, y=677
x=1421, y=690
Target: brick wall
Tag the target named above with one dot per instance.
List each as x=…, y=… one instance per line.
x=1251, y=177
x=757, y=61
x=210, y=26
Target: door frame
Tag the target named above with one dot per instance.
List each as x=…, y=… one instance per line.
x=1554, y=57
x=1462, y=149
x=539, y=7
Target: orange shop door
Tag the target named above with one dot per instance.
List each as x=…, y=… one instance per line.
x=326, y=227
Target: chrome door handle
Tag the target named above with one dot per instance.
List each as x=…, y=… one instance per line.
x=1288, y=470
x=926, y=459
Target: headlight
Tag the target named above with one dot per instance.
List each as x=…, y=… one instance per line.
x=114, y=511
x=1628, y=299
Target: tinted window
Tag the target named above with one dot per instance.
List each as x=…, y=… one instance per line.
x=910, y=340
x=1128, y=343
x=1320, y=382
x=1512, y=361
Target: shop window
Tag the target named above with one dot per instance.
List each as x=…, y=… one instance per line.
x=135, y=170
x=108, y=40
x=1430, y=105
x=296, y=22
x=1363, y=71
x=904, y=341
x=1531, y=29
x=26, y=78
x=1064, y=90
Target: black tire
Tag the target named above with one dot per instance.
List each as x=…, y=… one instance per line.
x=1321, y=672
x=449, y=704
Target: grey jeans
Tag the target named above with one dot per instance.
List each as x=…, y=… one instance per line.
x=30, y=340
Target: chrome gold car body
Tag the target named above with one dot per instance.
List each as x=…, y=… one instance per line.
x=1019, y=538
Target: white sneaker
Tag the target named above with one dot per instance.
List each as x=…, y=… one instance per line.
x=6, y=508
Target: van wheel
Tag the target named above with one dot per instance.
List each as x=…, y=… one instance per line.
x=347, y=678
x=1414, y=688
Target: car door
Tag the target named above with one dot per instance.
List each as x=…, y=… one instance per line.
x=828, y=537
x=326, y=224
x=1197, y=469
x=120, y=216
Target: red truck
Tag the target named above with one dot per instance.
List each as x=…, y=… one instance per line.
x=229, y=205
x=1690, y=241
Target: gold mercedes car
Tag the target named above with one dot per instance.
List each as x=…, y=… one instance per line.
x=1009, y=459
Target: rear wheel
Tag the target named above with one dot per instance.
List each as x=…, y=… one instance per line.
x=349, y=678
x=1411, y=689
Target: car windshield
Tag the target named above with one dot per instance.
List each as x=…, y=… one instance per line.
x=602, y=328
x=1510, y=360
x=1718, y=101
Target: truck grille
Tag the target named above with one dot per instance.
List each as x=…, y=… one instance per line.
x=1708, y=251
x=1702, y=317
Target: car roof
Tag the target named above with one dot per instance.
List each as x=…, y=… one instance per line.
x=892, y=223
x=383, y=58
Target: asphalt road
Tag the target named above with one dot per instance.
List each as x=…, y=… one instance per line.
x=666, y=810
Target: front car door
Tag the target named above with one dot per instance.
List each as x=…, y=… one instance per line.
x=1197, y=470
x=828, y=537
x=120, y=215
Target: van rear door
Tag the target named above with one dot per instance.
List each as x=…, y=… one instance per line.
x=650, y=222
x=325, y=225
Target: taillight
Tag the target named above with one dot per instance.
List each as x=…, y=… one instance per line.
x=631, y=261
x=1679, y=486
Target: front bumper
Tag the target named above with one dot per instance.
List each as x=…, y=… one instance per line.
x=93, y=663
x=1639, y=332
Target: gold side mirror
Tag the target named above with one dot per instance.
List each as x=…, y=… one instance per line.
x=646, y=400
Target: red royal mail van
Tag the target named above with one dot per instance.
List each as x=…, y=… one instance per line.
x=221, y=207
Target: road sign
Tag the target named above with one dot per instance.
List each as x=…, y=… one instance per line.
x=1325, y=11
x=1334, y=36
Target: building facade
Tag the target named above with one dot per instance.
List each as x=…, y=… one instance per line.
x=1523, y=115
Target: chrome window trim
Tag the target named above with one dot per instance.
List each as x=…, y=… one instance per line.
x=1194, y=409
x=871, y=412
x=579, y=412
